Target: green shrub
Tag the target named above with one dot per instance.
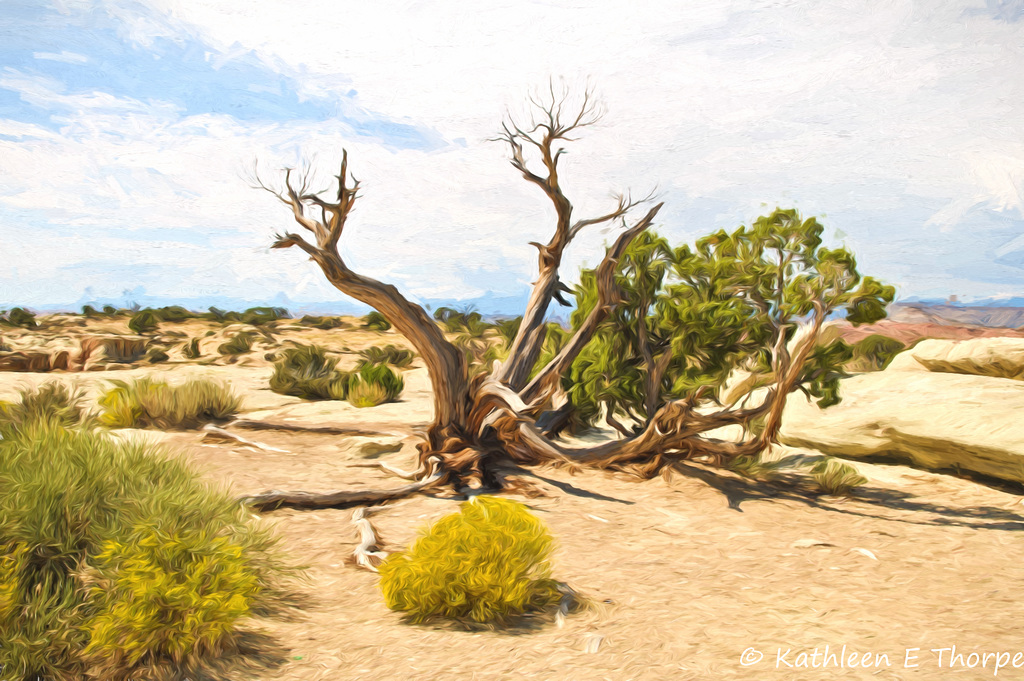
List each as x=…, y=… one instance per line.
x=173, y=314
x=110, y=311
x=143, y=321
x=191, y=349
x=375, y=321
x=115, y=557
x=307, y=372
x=389, y=354
x=486, y=563
x=149, y=403
x=835, y=477
x=239, y=344
x=874, y=352
x=322, y=322
x=374, y=384
x=89, y=311
x=19, y=316
x=157, y=355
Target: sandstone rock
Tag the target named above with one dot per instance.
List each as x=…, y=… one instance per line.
x=937, y=421
x=34, y=361
x=997, y=357
x=99, y=349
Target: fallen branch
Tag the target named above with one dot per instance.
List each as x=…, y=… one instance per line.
x=212, y=432
x=274, y=499
x=366, y=551
x=293, y=428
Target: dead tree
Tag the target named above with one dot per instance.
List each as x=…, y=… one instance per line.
x=484, y=420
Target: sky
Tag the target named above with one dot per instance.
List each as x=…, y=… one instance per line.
x=130, y=133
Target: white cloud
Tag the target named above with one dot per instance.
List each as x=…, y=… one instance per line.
x=834, y=107
x=63, y=56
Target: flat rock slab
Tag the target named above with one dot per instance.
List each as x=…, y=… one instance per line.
x=937, y=421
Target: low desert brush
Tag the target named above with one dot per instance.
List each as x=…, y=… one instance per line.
x=144, y=321
x=835, y=477
x=117, y=555
x=375, y=321
x=486, y=563
x=239, y=344
x=753, y=467
x=374, y=384
x=307, y=372
x=149, y=403
x=191, y=349
x=389, y=354
x=53, y=401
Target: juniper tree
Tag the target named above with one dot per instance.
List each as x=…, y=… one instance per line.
x=655, y=333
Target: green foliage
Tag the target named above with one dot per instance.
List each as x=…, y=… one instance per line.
x=144, y=321
x=835, y=477
x=19, y=316
x=466, y=320
x=239, y=344
x=149, y=403
x=307, y=372
x=488, y=562
x=89, y=311
x=690, y=315
x=825, y=367
x=110, y=311
x=389, y=354
x=191, y=349
x=322, y=322
x=157, y=355
x=753, y=467
x=874, y=352
x=507, y=329
x=375, y=321
x=373, y=384
x=116, y=556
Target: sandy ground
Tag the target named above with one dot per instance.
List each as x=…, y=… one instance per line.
x=689, y=575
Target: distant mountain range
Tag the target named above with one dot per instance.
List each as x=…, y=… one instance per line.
x=1008, y=313
x=994, y=313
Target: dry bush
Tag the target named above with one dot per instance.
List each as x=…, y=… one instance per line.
x=835, y=477
x=149, y=403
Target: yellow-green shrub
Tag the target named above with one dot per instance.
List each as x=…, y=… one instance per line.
x=485, y=563
x=374, y=384
x=114, y=555
x=172, y=595
x=146, y=402
x=835, y=477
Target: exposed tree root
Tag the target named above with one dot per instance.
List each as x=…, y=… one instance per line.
x=342, y=499
x=367, y=554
